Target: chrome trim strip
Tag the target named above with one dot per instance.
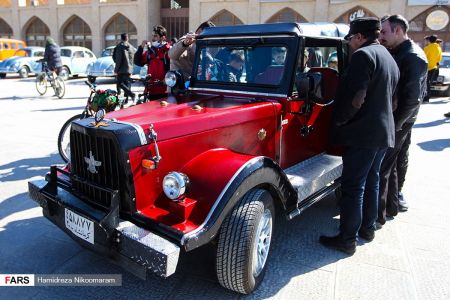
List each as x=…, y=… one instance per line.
x=239, y=92
x=139, y=130
x=248, y=37
x=187, y=235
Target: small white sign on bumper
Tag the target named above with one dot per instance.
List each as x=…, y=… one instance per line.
x=80, y=226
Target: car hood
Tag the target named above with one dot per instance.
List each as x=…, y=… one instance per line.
x=175, y=120
x=445, y=72
x=12, y=60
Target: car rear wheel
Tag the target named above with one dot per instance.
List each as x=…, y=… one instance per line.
x=24, y=72
x=244, y=242
x=64, y=73
x=92, y=79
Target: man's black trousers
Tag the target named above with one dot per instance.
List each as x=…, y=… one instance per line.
x=388, y=199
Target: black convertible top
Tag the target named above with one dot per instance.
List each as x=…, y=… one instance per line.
x=294, y=29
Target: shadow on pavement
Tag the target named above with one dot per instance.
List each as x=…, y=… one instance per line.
x=436, y=145
x=45, y=249
x=432, y=123
x=29, y=167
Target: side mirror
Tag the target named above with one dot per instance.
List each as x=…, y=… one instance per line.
x=309, y=86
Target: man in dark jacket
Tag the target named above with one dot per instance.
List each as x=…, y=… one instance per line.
x=52, y=56
x=123, y=57
x=411, y=89
x=364, y=125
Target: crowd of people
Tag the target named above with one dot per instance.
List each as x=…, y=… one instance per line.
x=376, y=106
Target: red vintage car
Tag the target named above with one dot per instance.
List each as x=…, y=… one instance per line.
x=211, y=164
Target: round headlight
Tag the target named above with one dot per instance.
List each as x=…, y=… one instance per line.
x=174, y=185
x=170, y=79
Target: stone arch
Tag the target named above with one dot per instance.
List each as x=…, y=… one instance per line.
x=354, y=13
x=286, y=15
x=225, y=18
x=76, y=32
x=5, y=30
x=418, y=27
x=35, y=32
x=116, y=25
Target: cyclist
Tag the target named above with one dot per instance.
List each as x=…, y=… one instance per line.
x=52, y=56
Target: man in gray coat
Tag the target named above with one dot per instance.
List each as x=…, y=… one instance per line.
x=123, y=57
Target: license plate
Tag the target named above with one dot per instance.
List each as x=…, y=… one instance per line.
x=80, y=226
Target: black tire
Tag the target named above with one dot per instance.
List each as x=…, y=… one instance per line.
x=64, y=73
x=63, y=143
x=24, y=72
x=2, y=75
x=447, y=92
x=236, y=267
x=92, y=79
x=41, y=84
x=60, y=87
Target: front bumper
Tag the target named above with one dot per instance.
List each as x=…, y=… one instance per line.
x=135, y=249
x=101, y=73
x=440, y=87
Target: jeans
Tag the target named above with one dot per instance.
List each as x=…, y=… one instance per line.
x=360, y=184
x=431, y=77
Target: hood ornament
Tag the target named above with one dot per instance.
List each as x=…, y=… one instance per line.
x=98, y=118
x=92, y=163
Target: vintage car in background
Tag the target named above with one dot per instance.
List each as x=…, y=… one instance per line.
x=441, y=86
x=104, y=67
x=24, y=62
x=75, y=61
x=210, y=164
x=8, y=47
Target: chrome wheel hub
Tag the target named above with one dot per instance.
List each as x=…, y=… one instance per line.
x=262, y=244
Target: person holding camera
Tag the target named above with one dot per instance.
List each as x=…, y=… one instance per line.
x=182, y=53
x=155, y=55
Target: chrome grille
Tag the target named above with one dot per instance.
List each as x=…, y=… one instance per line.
x=108, y=173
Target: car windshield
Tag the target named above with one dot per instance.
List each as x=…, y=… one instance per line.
x=445, y=63
x=244, y=65
x=66, y=52
x=107, y=52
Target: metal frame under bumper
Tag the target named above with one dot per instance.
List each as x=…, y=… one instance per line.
x=135, y=249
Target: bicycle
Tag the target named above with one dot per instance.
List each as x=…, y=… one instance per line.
x=149, y=83
x=97, y=100
x=46, y=78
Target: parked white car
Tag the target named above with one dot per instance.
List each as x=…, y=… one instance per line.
x=442, y=84
x=23, y=62
x=75, y=61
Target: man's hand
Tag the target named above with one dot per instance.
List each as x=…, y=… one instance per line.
x=190, y=39
x=144, y=43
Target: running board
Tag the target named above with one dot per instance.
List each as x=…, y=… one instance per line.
x=314, y=175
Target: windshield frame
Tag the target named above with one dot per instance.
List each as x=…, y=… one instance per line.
x=289, y=42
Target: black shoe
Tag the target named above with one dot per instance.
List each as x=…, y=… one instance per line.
x=447, y=115
x=379, y=225
x=337, y=243
x=366, y=234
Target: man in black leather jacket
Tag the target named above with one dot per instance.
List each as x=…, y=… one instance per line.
x=411, y=89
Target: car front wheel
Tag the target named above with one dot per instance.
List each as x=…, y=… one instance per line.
x=2, y=75
x=24, y=72
x=244, y=242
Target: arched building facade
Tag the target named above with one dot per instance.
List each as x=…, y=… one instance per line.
x=97, y=24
